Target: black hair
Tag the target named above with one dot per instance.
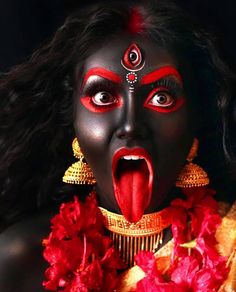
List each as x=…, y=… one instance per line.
x=37, y=98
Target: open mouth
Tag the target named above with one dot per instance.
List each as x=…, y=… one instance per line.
x=132, y=174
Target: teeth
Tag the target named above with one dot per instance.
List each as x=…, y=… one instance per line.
x=132, y=157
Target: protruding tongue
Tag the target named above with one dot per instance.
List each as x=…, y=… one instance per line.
x=131, y=182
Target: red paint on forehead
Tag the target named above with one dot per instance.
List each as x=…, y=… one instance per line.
x=131, y=77
x=138, y=57
x=160, y=73
x=136, y=23
x=104, y=73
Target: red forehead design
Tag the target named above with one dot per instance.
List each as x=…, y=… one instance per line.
x=133, y=58
x=136, y=23
x=102, y=72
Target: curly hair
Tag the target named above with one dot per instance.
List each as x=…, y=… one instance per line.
x=37, y=98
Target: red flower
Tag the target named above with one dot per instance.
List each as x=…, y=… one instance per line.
x=193, y=277
x=196, y=264
x=81, y=257
x=153, y=281
x=150, y=285
x=197, y=216
x=185, y=271
x=76, y=217
x=147, y=262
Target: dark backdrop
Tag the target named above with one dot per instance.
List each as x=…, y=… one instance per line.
x=25, y=24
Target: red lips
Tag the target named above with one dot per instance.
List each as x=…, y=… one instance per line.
x=132, y=174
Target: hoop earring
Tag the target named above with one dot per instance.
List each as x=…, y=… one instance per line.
x=192, y=175
x=79, y=172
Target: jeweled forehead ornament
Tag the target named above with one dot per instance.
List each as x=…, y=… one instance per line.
x=133, y=61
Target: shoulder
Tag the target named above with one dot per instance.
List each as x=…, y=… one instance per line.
x=226, y=237
x=21, y=262
x=226, y=232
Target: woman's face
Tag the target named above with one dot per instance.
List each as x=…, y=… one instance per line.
x=133, y=123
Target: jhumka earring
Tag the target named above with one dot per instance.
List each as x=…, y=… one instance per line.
x=192, y=175
x=79, y=172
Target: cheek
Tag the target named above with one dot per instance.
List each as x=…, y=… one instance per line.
x=172, y=138
x=175, y=126
x=93, y=131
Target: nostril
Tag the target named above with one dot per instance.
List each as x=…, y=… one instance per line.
x=128, y=131
x=124, y=132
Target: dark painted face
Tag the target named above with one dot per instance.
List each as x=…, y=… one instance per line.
x=133, y=124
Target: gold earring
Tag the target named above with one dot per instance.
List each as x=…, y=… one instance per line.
x=79, y=172
x=192, y=175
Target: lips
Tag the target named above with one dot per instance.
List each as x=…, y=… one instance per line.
x=132, y=174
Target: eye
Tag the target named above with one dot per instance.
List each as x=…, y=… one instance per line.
x=103, y=98
x=134, y=57
x=162, y=99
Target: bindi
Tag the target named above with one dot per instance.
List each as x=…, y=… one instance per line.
x=132, y=61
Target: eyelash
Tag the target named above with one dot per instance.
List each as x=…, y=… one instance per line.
x=93, y=90
x=177, y=102
x=169, y=86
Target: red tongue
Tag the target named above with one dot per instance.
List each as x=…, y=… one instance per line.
x=131, y=188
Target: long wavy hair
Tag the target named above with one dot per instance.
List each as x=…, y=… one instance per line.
x=36, y=122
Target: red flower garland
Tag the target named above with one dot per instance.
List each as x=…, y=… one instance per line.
x=195, y=265
x=83, y=259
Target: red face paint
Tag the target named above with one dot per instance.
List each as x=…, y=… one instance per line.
x=88, y=102
x=136, y=23
x=94, y=104
x=104, y=73
x=160, y=73
x=163, y=136
x=173, y=105
x=132, y=58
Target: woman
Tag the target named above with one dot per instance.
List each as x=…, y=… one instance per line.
x=135, y=83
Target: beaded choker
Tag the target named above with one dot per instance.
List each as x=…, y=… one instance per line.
x=131, y=238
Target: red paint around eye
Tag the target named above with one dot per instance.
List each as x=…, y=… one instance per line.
x=161, y=73
x=87, y=102
x=178, y=103
x=104, y=73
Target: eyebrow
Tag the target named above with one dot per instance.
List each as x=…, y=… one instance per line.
x=160, y=73
x=104, y=73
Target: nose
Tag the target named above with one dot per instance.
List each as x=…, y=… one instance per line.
x=132, y=124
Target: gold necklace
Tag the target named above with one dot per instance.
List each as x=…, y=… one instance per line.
x=131, y=238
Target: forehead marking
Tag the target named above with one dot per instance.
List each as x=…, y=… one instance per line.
x=131, y=77
x=160, y=73
x=104, y=73
x=133, y=59
x=136, y=22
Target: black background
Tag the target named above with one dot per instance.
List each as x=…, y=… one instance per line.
x=26, y=24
